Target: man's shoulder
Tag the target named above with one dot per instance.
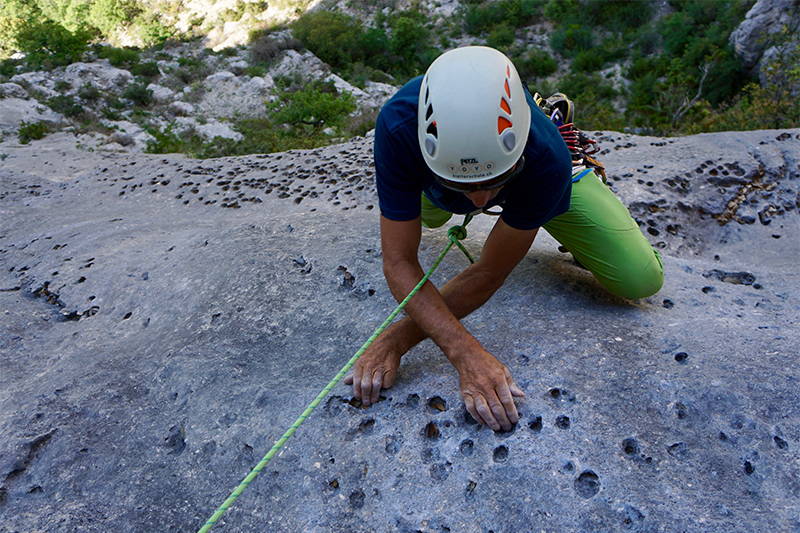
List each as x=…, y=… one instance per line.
x=400, y=111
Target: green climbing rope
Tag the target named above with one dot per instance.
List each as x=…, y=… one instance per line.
x=455, y=234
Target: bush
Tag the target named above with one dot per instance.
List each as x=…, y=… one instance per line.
x=31, y=131
x=8, y=67
x=265, y=48
x=317, y=105
x=119, y=57
x=572, y=39
x=108, y=15
x=146, y=70
x=500, y=37
x=535, y=64
x=49, y=45
x=483, y=17
x=139, y=94
x=151, y=30
x=66, y=105
x=193, y=69
x=90, y=93
x=588, y=61
x=334, y=37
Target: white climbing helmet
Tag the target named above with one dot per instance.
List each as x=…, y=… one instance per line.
x=473, y=117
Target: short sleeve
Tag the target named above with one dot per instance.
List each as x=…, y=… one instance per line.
x=396, y=177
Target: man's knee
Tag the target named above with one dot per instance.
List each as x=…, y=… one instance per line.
x=640, y=282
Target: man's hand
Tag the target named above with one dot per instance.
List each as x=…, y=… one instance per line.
x=488, y=390
x=374, y=370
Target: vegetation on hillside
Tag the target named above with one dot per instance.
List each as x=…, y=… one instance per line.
x=625, y=64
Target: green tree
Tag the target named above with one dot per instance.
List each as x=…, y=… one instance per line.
x=317, y=105
x=110, y=15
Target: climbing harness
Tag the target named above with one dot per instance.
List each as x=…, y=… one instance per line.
x=455, y=235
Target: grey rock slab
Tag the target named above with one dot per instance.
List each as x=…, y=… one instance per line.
x=164, y=320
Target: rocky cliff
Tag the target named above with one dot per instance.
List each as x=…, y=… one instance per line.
x=164, y=320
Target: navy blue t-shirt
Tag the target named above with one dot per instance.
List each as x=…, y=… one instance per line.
x=540, y=192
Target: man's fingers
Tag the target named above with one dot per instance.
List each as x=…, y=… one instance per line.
x=516, y=391
x=512, y=385
x=388, y=378
x=366, y=388
x=469, y=403
x=377, y=379
x=348, y=379
x=486, y=413
x=504, y=394
x=499, y=413
x=357, y=382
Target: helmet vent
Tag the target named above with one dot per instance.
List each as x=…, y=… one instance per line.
x=503, y=124
x=430, y=146
x=508, y=90
x=509, y=140
x=428, y=112
x=432, y=129
x=505, y=106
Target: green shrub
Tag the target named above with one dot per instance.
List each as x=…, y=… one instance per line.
x=139, y=94
x=66, y=105
x=31, y=131
x=265, y=48
x=151, y=30
x=409, y=40
x=192, y=69
x=108, y=15
x=90, y=93
x=535, y=64
x=317, y=105
x=146, y=70
x=8, y=67
x=255, y=71
x=334, y=37
x=119, y=57
x=483, y=17
x=500, y=37
x=571, y=39
x=49, y=45
x=588, y=61
x=613, y=15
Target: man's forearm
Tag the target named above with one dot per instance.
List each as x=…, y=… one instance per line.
x=460, y=296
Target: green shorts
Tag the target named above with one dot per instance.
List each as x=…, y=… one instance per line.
x=601, y=234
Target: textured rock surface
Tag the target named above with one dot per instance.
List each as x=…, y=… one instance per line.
x=225, y=95
x=14, y=111
x=164, y=320
x=766, y=17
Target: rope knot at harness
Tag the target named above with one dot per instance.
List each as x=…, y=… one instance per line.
x=458, y=233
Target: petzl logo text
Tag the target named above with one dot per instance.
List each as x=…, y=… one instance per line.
x=469, y=161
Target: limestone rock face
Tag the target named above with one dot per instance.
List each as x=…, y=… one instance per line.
x=12, y=90
x=39, y=82
x=14, y=111
x=129, y=135
x=209, y=130
x=766, y=17
x=161, y=94
x=99, y=74
x=226, y=95
x=163, y=320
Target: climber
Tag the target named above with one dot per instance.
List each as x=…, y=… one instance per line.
x=465, y=137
